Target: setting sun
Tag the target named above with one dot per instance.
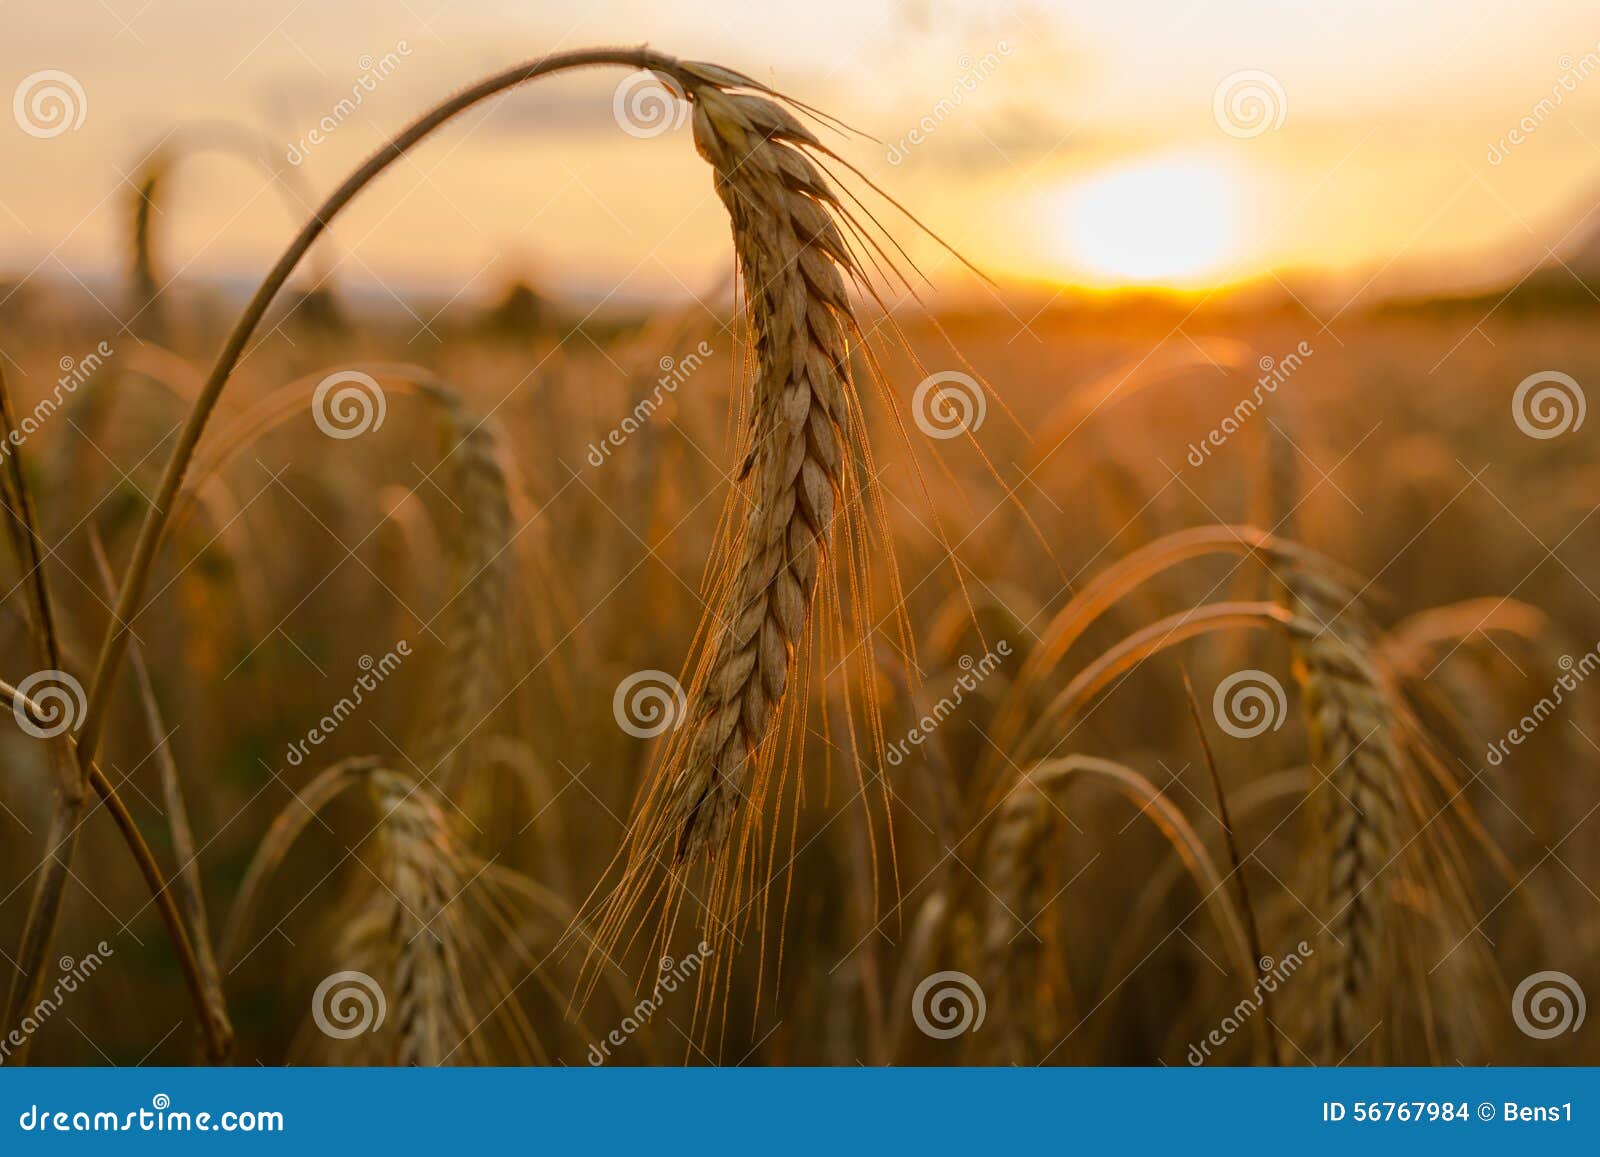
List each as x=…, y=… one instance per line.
x=1158, y=221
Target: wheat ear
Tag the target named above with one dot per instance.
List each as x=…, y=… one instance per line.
x=474, y=620
x=1016, y=861
x=792, y=259
x=418, y=867
x=1357, y=802
x=1016, y=864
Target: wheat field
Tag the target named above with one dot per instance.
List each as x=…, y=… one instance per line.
x=798, y=675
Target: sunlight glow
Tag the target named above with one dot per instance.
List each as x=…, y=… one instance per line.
x=1166, y=221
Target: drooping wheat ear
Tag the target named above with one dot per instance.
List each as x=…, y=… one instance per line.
x=1358, y=804
x=420, y=872
x=149, y=195
x=793, y=261
x=1026, y=968
x=1016, y=858
x=473, y=621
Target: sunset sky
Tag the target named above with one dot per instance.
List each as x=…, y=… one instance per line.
x=1075, y=143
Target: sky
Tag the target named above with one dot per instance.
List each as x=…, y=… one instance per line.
x=1447, y=142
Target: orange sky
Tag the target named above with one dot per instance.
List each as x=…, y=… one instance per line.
x=1061, y=141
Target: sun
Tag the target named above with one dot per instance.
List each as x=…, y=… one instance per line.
x=1168, y=221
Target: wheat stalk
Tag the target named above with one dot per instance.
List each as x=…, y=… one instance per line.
x=795, y=261
x=131, y=592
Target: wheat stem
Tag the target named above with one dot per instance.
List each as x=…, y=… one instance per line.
x=130, y=597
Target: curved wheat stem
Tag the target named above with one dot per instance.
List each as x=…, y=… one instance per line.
x=219, y=1033
x=131, y=593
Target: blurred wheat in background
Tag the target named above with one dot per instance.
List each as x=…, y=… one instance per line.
x=859, y=658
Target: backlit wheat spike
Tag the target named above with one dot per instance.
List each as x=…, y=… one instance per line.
x=1358, y=806
x=793, y=261
x=420, y=869
x=474, y=619
x=1017, y=858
